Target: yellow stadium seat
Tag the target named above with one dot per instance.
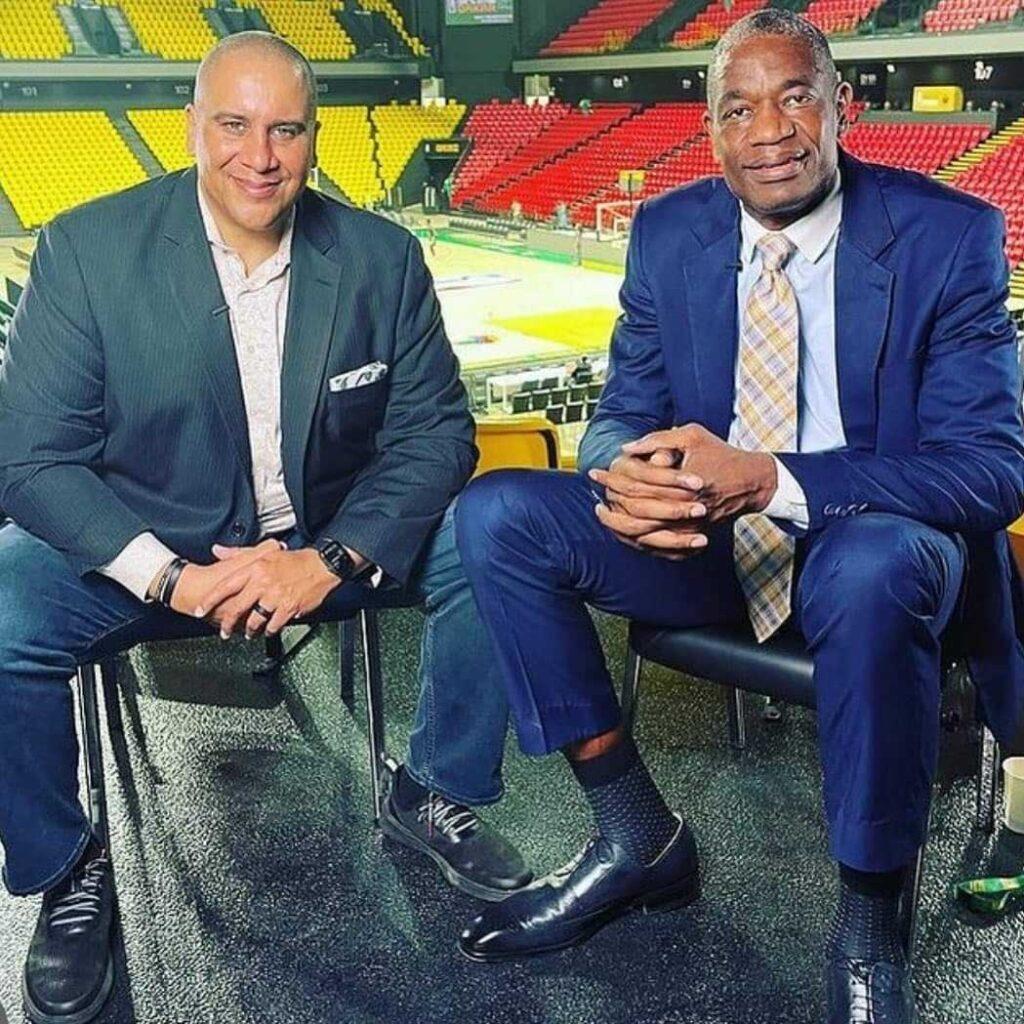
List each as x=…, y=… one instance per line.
x=390, y=12
x=172, y=29
x=56, y=159
x=1016, y=534
x=345, y=152
x=401, y=129
x=516, y=442
x=32, y=30
x=163, y=131
x=308, y=25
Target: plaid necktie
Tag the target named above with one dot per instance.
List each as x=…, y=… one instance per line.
x=766, y=421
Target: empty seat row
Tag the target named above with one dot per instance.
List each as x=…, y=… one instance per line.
x=55, y=159
x=607, y=26
x=961, y=15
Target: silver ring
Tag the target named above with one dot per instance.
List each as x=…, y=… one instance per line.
x=261, y=611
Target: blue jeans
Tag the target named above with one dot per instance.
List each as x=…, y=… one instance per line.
x=52, y=620
x=872, y=599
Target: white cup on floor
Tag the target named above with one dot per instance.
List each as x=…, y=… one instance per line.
x=1013, y=793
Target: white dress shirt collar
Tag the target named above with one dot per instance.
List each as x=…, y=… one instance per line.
x=811, y=234
x=270, y=267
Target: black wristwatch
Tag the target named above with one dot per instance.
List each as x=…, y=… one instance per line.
x=339, y=561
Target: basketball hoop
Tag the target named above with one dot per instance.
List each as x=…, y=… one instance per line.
x=614, y=220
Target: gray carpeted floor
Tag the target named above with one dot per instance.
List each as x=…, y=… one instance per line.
x=252, y=888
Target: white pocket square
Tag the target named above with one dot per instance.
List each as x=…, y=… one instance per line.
x=368, y=374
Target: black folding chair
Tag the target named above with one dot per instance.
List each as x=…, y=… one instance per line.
x=782, y=670
x=93, y=677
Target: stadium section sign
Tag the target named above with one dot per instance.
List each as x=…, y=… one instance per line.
x=479, y=12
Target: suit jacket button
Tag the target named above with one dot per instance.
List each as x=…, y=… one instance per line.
x=237, y=529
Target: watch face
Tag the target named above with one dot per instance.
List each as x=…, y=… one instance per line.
x=337, y=558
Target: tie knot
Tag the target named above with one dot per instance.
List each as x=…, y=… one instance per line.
x=775, y=249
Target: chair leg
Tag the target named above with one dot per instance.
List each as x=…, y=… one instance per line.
x=380, y=763
x=737, y=723
x=630, y=687
x=278, y=652
x=111, y=705
x=92, y=743
x=911, y=897
x=988, y=778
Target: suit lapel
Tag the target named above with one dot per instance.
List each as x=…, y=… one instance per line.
x=710, y=277
x=863, y=299
x=316, y=289
x=203, y=311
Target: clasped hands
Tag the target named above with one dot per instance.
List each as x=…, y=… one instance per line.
x=665, y=489
x=287, y=584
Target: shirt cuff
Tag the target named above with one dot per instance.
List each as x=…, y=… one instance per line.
x=136, y=566
x=789, y=501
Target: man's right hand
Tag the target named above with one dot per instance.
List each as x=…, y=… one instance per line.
x=652, y=505
x=196, y=581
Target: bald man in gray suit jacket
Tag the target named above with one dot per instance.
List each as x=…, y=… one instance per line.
x=228, y=403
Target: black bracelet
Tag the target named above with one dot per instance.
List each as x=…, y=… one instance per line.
x=170, y=581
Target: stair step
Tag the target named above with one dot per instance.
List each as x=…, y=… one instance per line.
x=9, y=223
x=135, y=142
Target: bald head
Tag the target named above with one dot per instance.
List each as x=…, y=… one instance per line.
x=252, y=128
x=245, y=46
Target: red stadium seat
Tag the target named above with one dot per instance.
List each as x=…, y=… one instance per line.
x=607, y=27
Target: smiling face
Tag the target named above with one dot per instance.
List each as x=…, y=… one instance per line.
x=253, y=136
x=774, y=124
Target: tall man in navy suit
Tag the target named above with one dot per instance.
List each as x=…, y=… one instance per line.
x=811, y=421
x=245, y=413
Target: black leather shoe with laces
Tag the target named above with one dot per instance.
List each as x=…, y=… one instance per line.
x=869, y=992
x=472, y=855
x=568, y=906
x=69, y=972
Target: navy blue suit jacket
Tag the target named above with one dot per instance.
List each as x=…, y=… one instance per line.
x=929, y=385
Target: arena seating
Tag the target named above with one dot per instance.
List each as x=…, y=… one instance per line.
x=639, y=143
x=172, y=29
x=632, y=143
x=400, y=130
x=392, y=14
x=712, y=22
x=915, y=146
x=31, y=30
x=561, y=138
x=960, y=15
x=607, y=27
x=310, y=25
x=163, y=132
x=837, y=16
x=998, y=177
x=345, y=148
x=498, y=130
x=42, y=172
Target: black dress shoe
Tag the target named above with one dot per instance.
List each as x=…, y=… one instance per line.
x=472, y=855
x=869, y=992
x=570, y=905
x=69, y=972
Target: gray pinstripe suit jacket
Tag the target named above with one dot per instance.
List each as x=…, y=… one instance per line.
x=121, y=408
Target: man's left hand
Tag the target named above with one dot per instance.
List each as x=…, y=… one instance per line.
x=288, y=584
x=728, y=481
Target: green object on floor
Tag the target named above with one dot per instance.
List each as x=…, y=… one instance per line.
x=988, y=895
